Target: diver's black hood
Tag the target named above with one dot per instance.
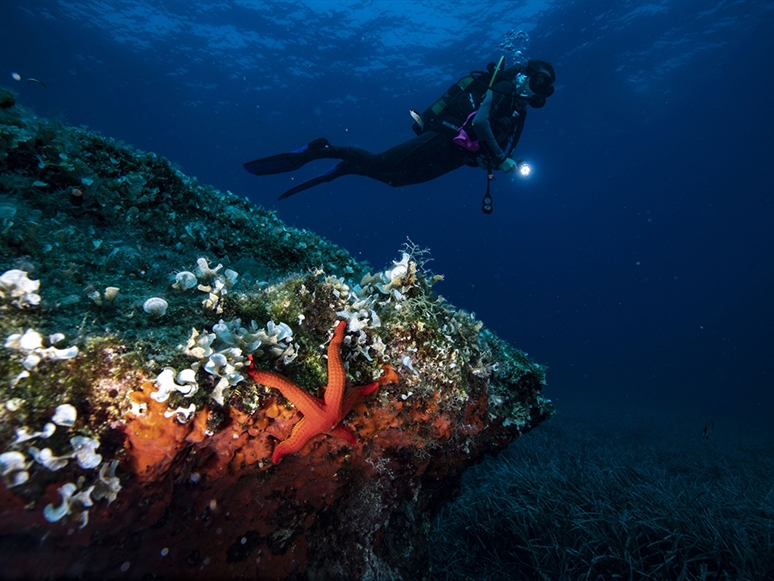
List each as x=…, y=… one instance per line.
x=541, y=77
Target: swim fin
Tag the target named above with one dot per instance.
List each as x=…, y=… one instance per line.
x=284, y=162
x=336, y=171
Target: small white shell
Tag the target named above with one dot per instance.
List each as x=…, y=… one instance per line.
x=155, y=306
x=110, y=293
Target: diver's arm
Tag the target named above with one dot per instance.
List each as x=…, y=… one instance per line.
x=484, y=131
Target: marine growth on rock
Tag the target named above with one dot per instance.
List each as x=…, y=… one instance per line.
x=131, y=419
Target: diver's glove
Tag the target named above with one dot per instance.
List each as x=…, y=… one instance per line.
x=508, y=165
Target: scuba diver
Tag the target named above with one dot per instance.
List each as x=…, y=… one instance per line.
x=477, y=122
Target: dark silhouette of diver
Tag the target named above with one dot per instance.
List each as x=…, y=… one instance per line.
x=477, y=122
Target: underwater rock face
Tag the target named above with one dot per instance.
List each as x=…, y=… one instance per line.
x=138, y=446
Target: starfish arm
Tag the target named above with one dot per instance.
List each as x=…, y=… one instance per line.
x=356, y=393
x=337, y=375
x=306, y=403
x=364, y=390
x=302, y=432
x=343, y=432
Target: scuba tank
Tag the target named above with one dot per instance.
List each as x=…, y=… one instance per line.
x=448, y=114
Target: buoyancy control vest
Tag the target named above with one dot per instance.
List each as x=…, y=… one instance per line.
x=449, y=113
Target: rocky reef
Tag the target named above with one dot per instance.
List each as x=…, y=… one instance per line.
x=137, y=307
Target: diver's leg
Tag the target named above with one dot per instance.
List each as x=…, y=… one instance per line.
x=423, y=158
x=418, y=160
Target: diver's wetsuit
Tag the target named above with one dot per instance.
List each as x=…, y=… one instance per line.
x=426, y=157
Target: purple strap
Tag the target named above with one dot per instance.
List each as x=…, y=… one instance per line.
x=463, y=139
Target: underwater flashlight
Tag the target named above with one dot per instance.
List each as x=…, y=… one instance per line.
x=523, y=168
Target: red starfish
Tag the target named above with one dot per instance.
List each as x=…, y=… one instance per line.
x=320, y=416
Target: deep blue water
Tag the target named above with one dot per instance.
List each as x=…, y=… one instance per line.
x=637, y=262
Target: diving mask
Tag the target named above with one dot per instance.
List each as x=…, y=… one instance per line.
x=541, y=77
x=536, y=83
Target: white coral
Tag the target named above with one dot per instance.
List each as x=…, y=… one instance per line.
x=13, y=468
x=214, y=293
x=226, y=366
x=340, y=288
x=182, y=414
x=54, y=514
x=184, y=280
x=229, y=277
x=233, y=334
x=389, y=285
x=222, y=355
x=215, y=363
x=203, y=270
x=84, y=450
x=31, y=343
x=398, y=271
x=379, y=346
x=278, y=339
x=358, y=320
x=70, y=499
x=46, y=458
x=23, y=434
x=199, y=345
x=19, y=289
x=64, y=415
x=108, y=485
x=221, y=283
x=165, y=381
